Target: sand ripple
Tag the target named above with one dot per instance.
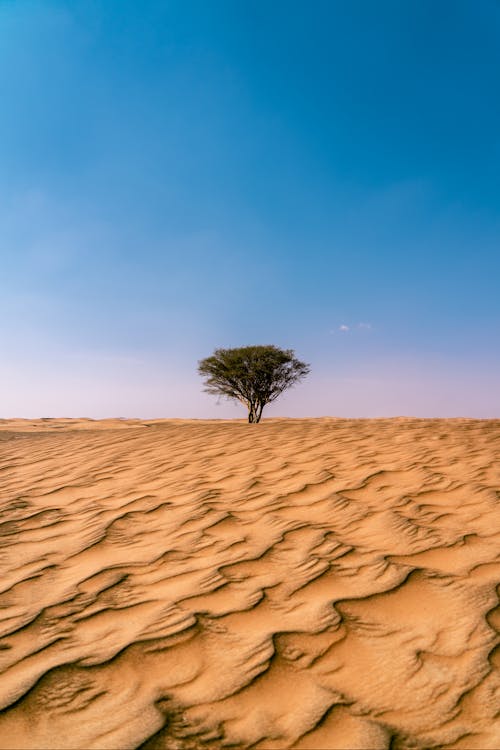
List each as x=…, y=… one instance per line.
x=321, y=583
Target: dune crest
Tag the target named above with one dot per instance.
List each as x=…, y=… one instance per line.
x=310, y=583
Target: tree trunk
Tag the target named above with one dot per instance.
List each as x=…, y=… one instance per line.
x=255, y=412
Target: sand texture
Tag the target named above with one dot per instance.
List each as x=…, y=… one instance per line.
x=314, y=583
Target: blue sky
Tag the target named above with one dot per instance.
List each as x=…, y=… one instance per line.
x=177, y=176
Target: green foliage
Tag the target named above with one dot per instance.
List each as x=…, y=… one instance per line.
x=253, y=375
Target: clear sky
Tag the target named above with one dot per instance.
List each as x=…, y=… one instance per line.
x=181, y=175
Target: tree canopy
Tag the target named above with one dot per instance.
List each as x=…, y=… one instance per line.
x=253, y=375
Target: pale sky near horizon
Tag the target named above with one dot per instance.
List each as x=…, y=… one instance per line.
x=181, y=175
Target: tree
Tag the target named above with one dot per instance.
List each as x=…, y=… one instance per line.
x=253, y=375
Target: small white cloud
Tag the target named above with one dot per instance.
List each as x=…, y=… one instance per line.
x=344, y=328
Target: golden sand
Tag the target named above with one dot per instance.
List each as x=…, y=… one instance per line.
x=312, y=583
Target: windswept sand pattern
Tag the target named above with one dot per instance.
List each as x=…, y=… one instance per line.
x=315, y=583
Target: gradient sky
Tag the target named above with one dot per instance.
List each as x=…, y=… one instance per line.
x=177, y=176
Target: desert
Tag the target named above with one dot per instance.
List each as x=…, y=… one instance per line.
x=300, y=583
x=249, y=375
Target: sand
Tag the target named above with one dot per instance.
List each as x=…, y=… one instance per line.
x=314, y=583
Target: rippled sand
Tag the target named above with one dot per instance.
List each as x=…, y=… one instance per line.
x=313, y=583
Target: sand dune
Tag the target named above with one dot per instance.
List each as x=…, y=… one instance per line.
x=314, y=583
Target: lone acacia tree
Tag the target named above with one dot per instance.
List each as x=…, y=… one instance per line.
x=253, y=375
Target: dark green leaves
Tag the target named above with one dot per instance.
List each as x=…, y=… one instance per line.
x=253, y=375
